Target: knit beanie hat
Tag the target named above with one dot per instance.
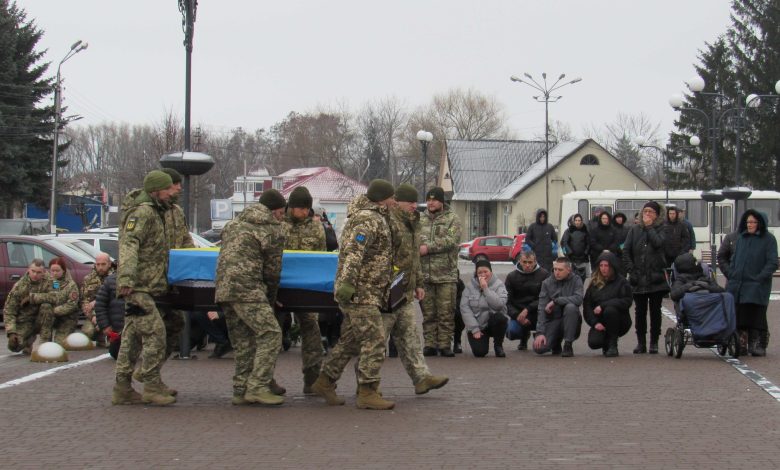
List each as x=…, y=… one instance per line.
x=157, y=180
x=379, y=190
x=483, y=263
x=300, y=197
x=405, y=193
x=175, y=175
x=436, y=193
x=272, y=199
x=653, y=205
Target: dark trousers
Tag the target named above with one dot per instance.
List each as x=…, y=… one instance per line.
x=459, y=326
x=496, y=329
x=616, y=324
x=641, y=302
x=752, y=317
x=216, y=329
x=565, y=325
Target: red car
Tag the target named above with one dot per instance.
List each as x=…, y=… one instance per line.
x=518, y=247
x=492, y=248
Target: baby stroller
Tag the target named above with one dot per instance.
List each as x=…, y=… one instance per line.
x=704, y=318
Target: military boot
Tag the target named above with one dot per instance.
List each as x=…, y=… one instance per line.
x=309, y=376
x=238, y=399
x=276, y=389
x=369, y=399
x=325, y=388
x=124, y=394
x=168, y=390
x=154, y=394
x=264, y=397
x=429, y=383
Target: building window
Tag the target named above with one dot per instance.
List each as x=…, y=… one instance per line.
x=589, y=160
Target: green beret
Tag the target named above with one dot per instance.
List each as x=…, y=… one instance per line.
x=435, y=193
x=175, y=175
x=300, y=197
x=379, y=190
x=406, y=193
x=157, y=180
x=272, y=199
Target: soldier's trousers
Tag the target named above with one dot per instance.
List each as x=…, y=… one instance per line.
x=88, y=328
x=55, y=328
x=311, y=345
x=256, y=338
x=362, y=335
x=437, y=308
x=402, y=325
x=27, y=327
x=147, y=333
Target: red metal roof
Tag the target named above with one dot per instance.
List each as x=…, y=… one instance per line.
x=324, y=184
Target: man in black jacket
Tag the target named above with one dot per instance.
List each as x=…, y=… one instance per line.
x=559, y=311
x=677, y=240
x=523, y=286
x=540, y=237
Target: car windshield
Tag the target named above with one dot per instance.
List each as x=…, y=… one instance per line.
x=78, y=253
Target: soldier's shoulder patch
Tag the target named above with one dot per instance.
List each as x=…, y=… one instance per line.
x=360, y=237
x=74, y=295
x=131, y=222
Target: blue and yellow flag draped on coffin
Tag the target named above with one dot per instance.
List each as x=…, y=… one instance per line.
x=309, y=270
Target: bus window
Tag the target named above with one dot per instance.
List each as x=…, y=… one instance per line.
x=769, y=207
x=697, y=213
x=582, y=207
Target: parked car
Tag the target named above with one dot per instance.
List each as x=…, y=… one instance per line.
x=464, y=249
x=518, y=246
x=492, y=248
x=17, y=251
x=105, y=242
x=199, y=241
x=24, y=226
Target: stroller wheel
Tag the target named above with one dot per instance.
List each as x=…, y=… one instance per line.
x=679, y=343
x=668, y=341
x=733, y=345
x=723, y=349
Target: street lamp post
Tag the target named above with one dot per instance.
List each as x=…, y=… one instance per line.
x=545, y=98
x=425, y=138
x=77, y=47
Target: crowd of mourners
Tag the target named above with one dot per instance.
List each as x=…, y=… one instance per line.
x=638, y=263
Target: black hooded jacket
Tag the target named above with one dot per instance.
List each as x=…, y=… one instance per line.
x=689, y=277
x=540, y=238
x=677, y=240
x=621, y=231
x=523, y=291
x=615, y=293
x=602, y=237
x=575, y=242
x=644, y=259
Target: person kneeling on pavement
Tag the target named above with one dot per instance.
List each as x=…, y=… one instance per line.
x=523, y=286
x=559, y=311
x=483, y=308
x=606, y=305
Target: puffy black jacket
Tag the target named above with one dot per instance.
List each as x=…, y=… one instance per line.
x=690, y=277
x=615, y=293
x=576, y=243
x=621, y=231
x=523, y=291
x=540, y=238
x=602, y=237
x=644, y=259
x=677, y=240
x=109, y=311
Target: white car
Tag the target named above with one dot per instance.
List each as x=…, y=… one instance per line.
x=105, y=242
x=199, y=241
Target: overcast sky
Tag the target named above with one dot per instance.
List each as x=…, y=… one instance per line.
x=255, y=61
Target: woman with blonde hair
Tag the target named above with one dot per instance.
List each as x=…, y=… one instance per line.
x=606, y=305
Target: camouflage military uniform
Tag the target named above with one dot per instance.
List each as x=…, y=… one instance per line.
x=310, y=236
x=143, y=264
x=89, y=288
x=402, y=324
x=178, y=237
x=441, y=232
x=22, y=317
x=365, y=262
x=248, y=273
x=59, y=308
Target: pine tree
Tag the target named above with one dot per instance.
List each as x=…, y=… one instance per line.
x=627, y=153
x=25, y=125
x=754, y=40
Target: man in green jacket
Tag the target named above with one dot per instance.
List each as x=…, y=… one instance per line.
x=440, y=239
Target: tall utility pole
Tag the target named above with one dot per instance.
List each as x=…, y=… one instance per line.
x=187, y=9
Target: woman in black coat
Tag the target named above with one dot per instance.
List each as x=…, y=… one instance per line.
x=602, y=238
x=110, y=313
x=606, y=305
x=644, y=261
x=575, y=243
x=750, y=279
x=621, y=231
x=540, y=237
